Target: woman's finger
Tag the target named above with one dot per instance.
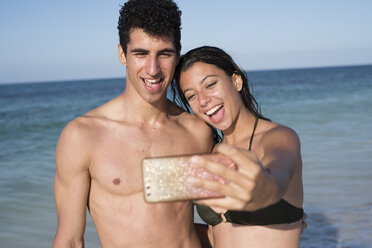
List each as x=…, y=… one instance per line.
x=229, y=189
x=223, y=171
x=247, y=162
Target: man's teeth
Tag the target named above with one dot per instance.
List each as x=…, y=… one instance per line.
x=211, y=111
x=152, y=81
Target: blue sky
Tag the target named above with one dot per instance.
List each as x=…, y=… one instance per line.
x=48, y=40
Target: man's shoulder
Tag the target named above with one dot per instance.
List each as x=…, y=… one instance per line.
x=196, y=130
x=81, y=127
x=188, y=120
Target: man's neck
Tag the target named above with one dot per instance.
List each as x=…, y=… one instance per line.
x=138, y=110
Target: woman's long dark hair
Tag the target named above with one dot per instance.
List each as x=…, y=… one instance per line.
x=218, y=57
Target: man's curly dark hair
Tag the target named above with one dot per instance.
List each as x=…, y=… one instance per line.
x=158, y=18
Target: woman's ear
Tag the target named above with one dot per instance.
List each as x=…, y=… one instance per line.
x=237, y=81
x=121, y=55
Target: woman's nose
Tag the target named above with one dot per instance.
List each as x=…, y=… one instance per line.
x=204, y=99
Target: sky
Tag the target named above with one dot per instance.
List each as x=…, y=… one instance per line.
x=49, y=40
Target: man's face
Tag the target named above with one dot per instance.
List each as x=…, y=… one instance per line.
x=150, y=65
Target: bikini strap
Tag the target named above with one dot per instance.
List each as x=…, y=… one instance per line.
x=254, y=129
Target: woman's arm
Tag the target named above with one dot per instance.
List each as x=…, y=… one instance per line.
x=262, y=177
x=205, y=235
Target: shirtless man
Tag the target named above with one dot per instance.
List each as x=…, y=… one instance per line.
x=99, y=154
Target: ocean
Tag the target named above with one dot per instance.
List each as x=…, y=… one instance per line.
x=330, y=109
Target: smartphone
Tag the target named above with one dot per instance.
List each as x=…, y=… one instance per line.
x=164, y=178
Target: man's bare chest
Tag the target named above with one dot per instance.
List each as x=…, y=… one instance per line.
x=116, y=163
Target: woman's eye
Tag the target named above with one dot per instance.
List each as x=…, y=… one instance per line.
x=211, y=84
x=190, y=97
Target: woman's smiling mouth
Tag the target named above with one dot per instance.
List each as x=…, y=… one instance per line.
x=214, y=109
x=216, y=113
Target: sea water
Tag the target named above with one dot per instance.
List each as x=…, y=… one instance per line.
x=329, y=108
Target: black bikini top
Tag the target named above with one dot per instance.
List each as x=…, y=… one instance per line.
x=278, y=213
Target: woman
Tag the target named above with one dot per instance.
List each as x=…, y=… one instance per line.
x=263, y=200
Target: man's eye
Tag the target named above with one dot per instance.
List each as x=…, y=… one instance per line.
x=140, y=53
x=165, y=55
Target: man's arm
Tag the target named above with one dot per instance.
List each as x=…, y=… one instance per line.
x=71, y=186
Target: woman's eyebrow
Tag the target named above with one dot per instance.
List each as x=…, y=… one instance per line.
x=201, y=81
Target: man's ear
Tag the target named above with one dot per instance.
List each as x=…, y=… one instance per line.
x=121, y=55
x=237, y=81
x=179, y=55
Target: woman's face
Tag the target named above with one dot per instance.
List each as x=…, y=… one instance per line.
x=212, y=95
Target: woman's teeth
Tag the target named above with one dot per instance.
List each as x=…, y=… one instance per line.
x=213, y=110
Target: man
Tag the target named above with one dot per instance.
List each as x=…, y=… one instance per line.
x=99, y=154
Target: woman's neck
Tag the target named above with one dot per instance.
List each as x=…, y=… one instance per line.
x=241, y=129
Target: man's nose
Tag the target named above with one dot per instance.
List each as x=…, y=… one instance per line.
x=152, y=66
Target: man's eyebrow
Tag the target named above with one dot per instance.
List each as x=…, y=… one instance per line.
x=205, y=78
x=167, y=50
x=139, y=50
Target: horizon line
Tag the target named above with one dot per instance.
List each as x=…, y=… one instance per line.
x=111, y=78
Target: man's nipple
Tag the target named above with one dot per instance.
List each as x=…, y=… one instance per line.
x=116, y=181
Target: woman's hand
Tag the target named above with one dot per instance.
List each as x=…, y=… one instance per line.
x=251, y=187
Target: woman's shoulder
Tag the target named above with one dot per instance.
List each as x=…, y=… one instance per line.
x=276, y=133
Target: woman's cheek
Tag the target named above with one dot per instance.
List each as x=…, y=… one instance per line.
x=194, y=107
